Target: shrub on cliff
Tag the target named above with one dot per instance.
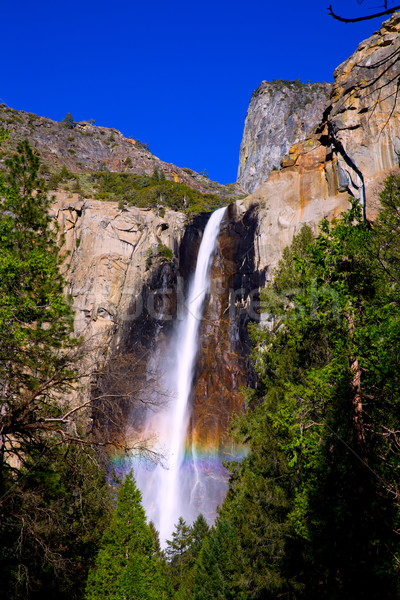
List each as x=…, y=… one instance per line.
x=146, y=192
x=68, y=121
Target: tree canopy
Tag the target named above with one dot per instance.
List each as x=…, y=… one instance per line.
x=53, y=493
x=314, y=507
x=128, y=565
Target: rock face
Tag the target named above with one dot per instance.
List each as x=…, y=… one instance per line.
x=364, y=117
x=350, y=153
x=223, y=365
x=86, y=147
x=280, y=114
x=115, y=272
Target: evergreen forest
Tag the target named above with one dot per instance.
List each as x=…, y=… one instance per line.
x=312, y=511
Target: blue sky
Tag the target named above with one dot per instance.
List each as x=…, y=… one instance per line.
x=177, y=75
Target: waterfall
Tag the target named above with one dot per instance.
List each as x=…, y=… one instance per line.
x=173, y=489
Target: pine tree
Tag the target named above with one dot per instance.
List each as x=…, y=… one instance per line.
x=37, y=352
x=200, y=530
x=41, y=524
x=198, y=533
x=127, y=566
x=177, y=551
x=52, y=521
x=68, y=121
x=218, y=569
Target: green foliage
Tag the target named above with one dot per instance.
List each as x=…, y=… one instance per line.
x=165, y=252
x=162, y=251
x=35, y=319
x=68, y=121
x=52, y=494
x=56, y=178
x=3, y=135
x=146, y=192
x=53, y=525
x=142, y=145
x=217, y=572
x=149, y=258
x=178, y=551
x=128, y=565
x=314, y=504
x=183, y=552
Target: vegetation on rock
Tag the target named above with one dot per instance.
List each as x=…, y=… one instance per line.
x=153, y=192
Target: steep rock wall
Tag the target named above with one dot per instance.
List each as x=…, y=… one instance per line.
x=115, y=273
x=350, y=153
x=280, y=113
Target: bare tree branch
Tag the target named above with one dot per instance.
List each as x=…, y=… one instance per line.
x=389, y=11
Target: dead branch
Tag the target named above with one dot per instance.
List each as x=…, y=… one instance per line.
x=389, y=11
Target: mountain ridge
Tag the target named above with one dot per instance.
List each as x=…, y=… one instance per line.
x=85, y=147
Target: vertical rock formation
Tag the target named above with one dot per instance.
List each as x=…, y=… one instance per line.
x=223, y=365
x=280, y=114
x=364, y=114
x=122, y=288
x=349, y=153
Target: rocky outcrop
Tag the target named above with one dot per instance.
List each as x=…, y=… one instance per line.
x=85, y=147
x=350, y=153
x=364, y=114
x=280, y=114
x=223, y=365
x=111, y=258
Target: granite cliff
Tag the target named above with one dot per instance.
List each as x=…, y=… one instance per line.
x=349, y=153
x=280, y=114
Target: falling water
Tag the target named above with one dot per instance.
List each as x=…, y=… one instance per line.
x=169, y=491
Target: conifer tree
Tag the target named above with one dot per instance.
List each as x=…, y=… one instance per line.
x=177, y=551
x=68, y=121
x=37, y=351
x=218, y=569
x=44, y=543
x=198, y=533
x=127, y=566
x=200, y=530
x=315, y=502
